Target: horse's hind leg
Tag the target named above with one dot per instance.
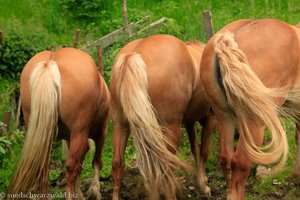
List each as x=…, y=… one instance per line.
x=226, y=130
x=296, y=173
x=120, y=137
x=209, y=125
x=201, y=155
x=94, y=190
x=173, y=134
x=240, y=165
x=190, y=128
x=74, y=163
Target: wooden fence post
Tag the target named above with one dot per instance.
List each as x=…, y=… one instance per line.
x=125, y=16
x=100, y=60
x=76, y=38
x=6, y=122
x=208, y=26
x=1, y=37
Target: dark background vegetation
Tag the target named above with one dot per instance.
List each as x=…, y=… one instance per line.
x=30, y=26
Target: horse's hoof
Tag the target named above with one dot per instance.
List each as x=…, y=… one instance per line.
x=205, y=179
x=231, y=197
x=115, y=197
x=94, y=190
x=205, y=190
x=94, y=195
x=262, y=172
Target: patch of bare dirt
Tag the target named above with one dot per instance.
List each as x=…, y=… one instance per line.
x=133, y=188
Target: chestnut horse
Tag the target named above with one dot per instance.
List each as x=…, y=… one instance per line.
x=250, y=69
x=63, y=96
x=297, y=164
x=155, y=88
x=263, y=171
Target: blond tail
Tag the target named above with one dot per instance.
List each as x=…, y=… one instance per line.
x=45, y=92
x=250, y=99
x=155, y=162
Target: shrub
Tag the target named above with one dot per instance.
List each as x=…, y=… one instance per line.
x=15, y=51
x=84, y=9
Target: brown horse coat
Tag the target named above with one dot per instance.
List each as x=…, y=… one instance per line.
x=61, y=87
x=155, y=87
x=249, y=69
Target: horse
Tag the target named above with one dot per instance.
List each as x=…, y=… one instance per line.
x=263, y=171
x=155, y=88
x=297, y=137
x=251, y=78
x=62, y=96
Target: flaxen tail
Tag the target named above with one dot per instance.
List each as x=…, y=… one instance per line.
x=155, y=162
x=250, y=99
x=32, y=170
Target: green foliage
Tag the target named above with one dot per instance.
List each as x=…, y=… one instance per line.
x=89, y=9
x=7, y=90
x=4, y=144
x=9, y=160
x=30, y=26
x=107, y=156
x=94, y=14
x=17, y=137
x=16, y=50
x=53, y=175
x=7, y=143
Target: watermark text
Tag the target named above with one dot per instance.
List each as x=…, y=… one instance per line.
x=31, y=195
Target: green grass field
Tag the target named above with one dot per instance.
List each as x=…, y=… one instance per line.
x=53, y=23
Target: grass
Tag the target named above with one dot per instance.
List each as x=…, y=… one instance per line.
x=267, y=185
x=55, y=25
x=107, y=156
x=9, y=161
x=7, y=89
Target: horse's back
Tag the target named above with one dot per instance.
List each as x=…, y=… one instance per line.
x=77, y=67
x=160, y=52
x=80, y=78
x=271, y=45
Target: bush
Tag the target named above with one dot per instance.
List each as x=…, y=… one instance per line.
x=15, y=51
x=84, y=9
x=4, y=143
x=12, y=146
x=8, y=90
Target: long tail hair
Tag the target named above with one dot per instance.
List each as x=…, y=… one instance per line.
x=155, y=162
x=33, y=167
x=250, y=99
